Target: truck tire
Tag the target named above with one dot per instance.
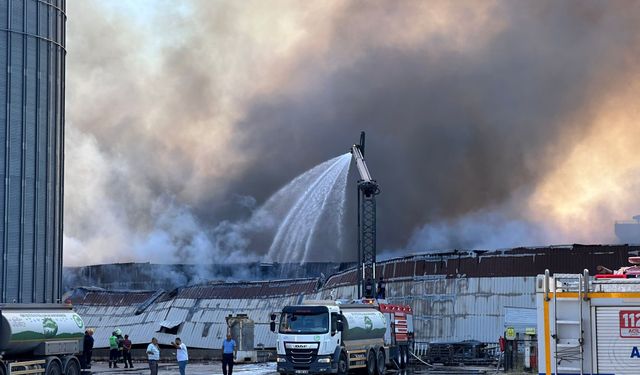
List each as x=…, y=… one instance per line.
x=53, y=368
x=343, y=364
x=402, y=350
x=381, y=362
x=372, y=366
x=72, y=367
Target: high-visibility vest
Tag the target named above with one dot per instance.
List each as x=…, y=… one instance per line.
x=113, y=342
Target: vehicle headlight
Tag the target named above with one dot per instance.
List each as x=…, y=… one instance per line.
x=324, y=360
x=281, y=359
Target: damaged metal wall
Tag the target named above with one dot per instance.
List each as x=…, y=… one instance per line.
x=444, y=309
x=200, y=323
x=455, y=296
x=455, y=309
x=196, y=314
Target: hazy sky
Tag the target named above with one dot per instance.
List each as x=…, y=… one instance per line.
x=490, y=124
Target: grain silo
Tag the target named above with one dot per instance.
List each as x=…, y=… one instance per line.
x=32, y=75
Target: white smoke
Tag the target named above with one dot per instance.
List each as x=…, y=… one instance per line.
x=182, y=119
x=165, y=232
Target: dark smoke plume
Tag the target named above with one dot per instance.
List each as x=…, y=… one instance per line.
x=477, y=116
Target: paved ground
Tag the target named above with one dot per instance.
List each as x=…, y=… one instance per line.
x=192, y=369
x=215, y=368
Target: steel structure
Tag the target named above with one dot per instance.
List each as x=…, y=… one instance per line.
x=367, y=190
x=32, y=75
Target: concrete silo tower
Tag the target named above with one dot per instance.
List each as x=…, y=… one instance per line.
x=32, y=76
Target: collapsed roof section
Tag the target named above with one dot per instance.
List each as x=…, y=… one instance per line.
x=197, y=313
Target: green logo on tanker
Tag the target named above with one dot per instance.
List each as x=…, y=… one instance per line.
x=78, y=320
x=50, y=328
x=368, y=324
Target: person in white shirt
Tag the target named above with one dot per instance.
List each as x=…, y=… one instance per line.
x=153, y=353
x=181, y=355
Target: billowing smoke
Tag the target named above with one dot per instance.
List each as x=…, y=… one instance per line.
x=490, y=123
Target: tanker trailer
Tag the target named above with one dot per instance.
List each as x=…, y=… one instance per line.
x=39, y=339
x=326, y=337
x=363, y=331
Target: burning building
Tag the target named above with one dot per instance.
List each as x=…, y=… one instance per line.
x=455, y=295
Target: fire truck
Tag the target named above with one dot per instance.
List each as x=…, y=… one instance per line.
x=589, y=325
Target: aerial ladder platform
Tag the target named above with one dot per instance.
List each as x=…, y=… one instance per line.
x=368, y=188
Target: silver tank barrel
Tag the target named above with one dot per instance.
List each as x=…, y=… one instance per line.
x=32, y=75
x=23, y=329
x=363, y=324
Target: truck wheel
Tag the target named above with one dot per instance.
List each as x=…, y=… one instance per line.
x=343, y=364
x=381, y=364
x=403, y=356
x=53, y=368
x=72, y=367
x=371, y=363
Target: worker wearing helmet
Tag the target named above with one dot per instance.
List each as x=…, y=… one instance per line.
x=113, y=350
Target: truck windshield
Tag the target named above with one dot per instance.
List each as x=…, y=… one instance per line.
x=304, y=321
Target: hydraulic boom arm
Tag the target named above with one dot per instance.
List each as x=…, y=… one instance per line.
x=367, y=190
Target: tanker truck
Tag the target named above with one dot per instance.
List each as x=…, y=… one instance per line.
x=327, y=337
x=39, y=339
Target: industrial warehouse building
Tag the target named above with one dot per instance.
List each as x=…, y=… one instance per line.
x=456, y=295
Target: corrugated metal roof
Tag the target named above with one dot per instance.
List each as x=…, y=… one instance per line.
x=204, y=326
x=464, y=308
x=497, y=263
x=170, y=323
x=126, y=276
x=85, y=296
x=455, y=295
x=242, y=290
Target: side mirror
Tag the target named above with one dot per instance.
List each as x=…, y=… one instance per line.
x=272, y=326
x=273, y=317
x=340, y=326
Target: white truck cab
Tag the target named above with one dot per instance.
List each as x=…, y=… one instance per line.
x=326, y=337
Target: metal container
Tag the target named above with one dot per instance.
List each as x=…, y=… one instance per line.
x=363, y=324
x=32, y=74
x=24, y=331
x=242, y=331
